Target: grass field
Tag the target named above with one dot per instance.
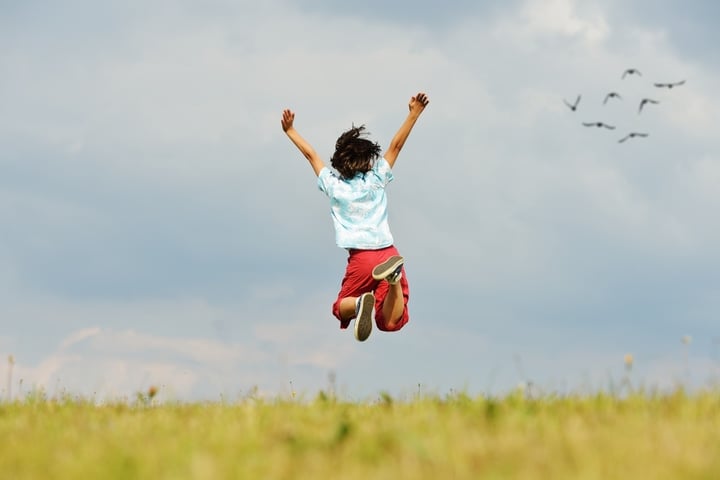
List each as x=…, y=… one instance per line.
x=597, y=436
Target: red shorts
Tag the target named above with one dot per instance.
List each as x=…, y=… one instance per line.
x=358, y=280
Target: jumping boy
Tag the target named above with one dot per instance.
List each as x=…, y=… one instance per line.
x=374, y=276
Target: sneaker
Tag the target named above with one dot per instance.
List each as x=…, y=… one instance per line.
x=390, y=269
x=363, y=318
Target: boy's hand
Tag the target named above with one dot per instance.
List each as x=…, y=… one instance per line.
x=287, y=120
x=418, y=103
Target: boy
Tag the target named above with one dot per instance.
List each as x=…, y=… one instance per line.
x=374, y=276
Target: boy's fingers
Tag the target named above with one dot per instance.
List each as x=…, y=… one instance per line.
x=422, y=98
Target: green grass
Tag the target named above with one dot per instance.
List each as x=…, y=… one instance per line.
x=598, y=436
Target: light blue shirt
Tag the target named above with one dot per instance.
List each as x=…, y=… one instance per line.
x=358, y=206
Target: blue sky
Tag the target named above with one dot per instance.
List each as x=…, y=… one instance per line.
x=161, y=230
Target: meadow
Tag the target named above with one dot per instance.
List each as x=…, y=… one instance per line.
x=640, y=435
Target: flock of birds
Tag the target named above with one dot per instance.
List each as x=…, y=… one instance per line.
x=616, y=96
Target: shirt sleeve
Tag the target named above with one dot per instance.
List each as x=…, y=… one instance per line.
x=324, y=180
x=383, y=170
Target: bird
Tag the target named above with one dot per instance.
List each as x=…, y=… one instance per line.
x=670, y=85
x=611, y=95
x=573, y=107
x=598, y=124
x=644, y=101
x=631, y=71
x=633, y=135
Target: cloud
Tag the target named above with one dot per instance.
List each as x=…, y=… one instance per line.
x=423, y=13
x=194, y=349
x=560, y=18
x=109, y=363
x=690, y=30
x=79, y=336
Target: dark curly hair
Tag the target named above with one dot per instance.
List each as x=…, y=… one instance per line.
x=353, y=153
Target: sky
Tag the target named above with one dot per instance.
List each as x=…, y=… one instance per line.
x=161, y=230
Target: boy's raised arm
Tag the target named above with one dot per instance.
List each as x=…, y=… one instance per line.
x=417, y=105
x=305, y=148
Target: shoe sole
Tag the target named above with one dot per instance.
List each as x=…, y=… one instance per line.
x=381, y=271
x=363, y=321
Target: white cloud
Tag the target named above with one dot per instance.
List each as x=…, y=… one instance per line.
x=116, y=355
x=79, y=336
x=116, y=364
x=560, y=17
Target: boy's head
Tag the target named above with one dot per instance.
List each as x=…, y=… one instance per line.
x=353, y=153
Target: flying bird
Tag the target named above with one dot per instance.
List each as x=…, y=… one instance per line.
x=611, y=95
x=631, y=71
x=598, y=124
x=633, y=135
x=644, y=101
x=670, y=85
x=573, y=106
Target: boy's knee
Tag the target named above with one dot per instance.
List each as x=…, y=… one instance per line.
x=344, y=322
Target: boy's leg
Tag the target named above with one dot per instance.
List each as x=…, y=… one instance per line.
x=392, y=298
x=393, y=306
x=347, y=308
x=356, y=282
